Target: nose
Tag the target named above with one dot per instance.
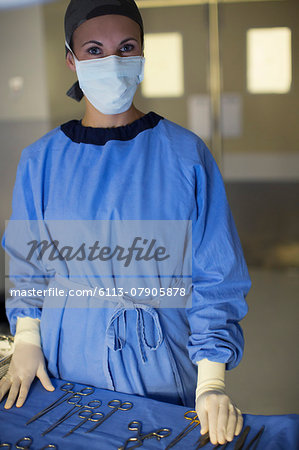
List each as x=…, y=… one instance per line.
x=113, y=52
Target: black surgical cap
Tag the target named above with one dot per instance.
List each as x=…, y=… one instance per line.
x=78, y=11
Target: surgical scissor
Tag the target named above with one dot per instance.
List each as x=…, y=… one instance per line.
x=67, y=387
x=74, y=400
x=189, y=415
x=86, y=415
x=116, y=405
x=136, y=426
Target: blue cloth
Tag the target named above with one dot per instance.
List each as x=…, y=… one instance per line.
x=151, y=169
x=281, y=431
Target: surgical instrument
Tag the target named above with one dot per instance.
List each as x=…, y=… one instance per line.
x=241, y=440
x=93, y=404
x=137, y=426
x=189, y=415
x=239, y=445
x=74, y=401
x=50, y=446
x=203, y=440
x=116, y=405
x=91, y=416
x=27, y=439
x=67, y=389
x=84, y=391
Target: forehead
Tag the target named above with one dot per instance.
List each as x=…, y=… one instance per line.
x=107, y=26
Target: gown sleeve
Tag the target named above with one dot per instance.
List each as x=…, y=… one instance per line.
x=25, y=274
x=220, y=279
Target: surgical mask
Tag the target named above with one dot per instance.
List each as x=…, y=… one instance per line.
x=110, y=83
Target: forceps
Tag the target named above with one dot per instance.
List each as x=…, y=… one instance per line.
x=26, y=439
x=93, y=404
x=67, y=387
x=115, y=405
x=29, y=441
x=86, y=415
x=194, y=422
x=136, y=426
x=74, y=400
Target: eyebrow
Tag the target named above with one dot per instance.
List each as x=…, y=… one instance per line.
x=101, y=45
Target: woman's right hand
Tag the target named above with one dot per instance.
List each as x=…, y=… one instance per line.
x=27, y=362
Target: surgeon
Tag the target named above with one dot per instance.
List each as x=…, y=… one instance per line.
x=119, y=163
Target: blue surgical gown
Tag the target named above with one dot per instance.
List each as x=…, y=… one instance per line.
x=150, y=169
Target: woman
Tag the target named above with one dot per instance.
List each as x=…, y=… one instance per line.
x=120, y=163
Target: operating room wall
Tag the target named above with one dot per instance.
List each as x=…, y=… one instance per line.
x=24, y=113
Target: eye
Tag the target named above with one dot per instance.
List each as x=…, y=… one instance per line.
x=127, y=48
x=94, y=51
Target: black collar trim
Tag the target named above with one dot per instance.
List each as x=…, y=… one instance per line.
x=99, y=136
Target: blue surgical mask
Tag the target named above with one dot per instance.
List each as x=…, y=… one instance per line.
x=110, y=83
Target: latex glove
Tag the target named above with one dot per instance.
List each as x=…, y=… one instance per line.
x=27, y=362
x=215, y=410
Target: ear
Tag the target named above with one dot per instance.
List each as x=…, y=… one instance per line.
x=70, y=61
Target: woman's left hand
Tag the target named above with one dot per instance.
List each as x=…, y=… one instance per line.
x=219, y=416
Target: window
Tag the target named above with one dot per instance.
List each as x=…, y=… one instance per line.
x=163, y=71
x=269, y=65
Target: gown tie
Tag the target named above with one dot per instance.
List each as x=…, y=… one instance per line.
x=115, y=341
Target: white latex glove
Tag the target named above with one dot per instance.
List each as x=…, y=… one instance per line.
x=215, y=410
x=27, y=362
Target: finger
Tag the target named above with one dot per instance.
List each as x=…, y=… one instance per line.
x=222, y=420
x=44, y=379
x=203, y=418
x=12, y=394
x=4, y=387
x=213, y=409
x=25, y=386
x=239, y=422
x=232, y=422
